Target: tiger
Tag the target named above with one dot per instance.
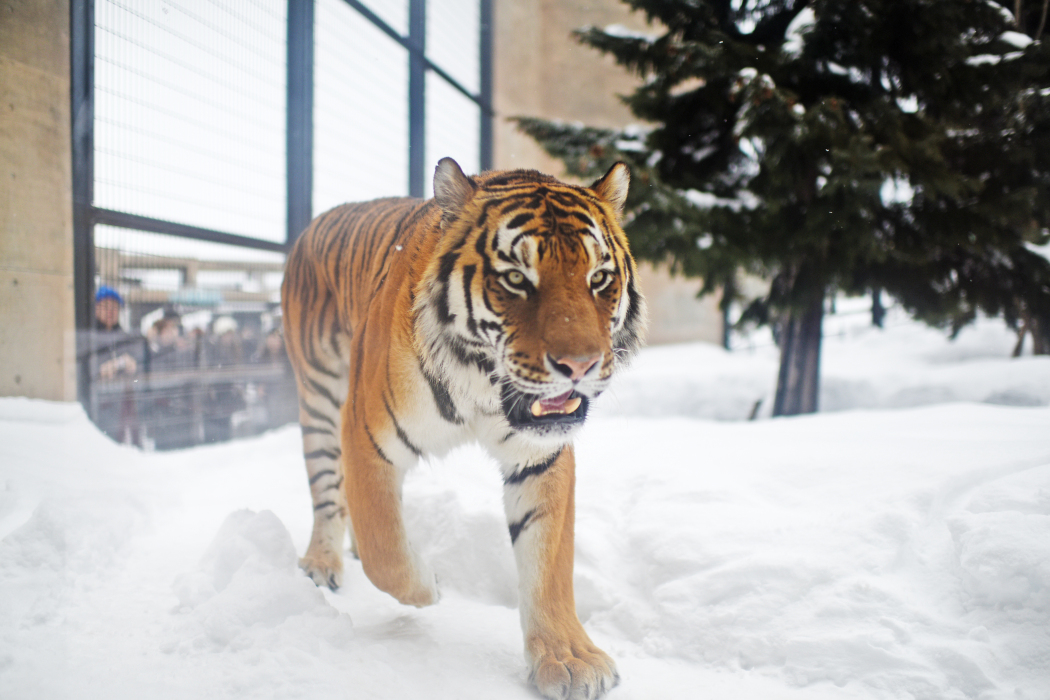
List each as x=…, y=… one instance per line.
x=495, y=313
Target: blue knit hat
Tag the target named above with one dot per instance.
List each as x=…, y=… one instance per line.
x=105, y=292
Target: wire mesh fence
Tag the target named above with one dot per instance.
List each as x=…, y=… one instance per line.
x=360, y=109
x=205, y=135
x=189, y=113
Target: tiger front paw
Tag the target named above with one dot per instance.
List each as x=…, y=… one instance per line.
x=409, y=580
x=572, y=670
x=423, y=594
x=418, y=586
x=325, y=570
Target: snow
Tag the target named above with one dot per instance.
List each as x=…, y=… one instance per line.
x=895, y=546
x=1016, y=39
x=707, y=200
x=795, y=35
x=897, y=189
x=993, y=59
x=623, y=32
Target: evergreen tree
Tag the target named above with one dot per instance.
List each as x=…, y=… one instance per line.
x=899, y=146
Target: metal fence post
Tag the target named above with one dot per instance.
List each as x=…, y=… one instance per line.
x=299, y=125
x=417, y=77
x=82, y=98
x=485, y=93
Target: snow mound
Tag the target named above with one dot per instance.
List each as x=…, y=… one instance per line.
x=68, y=547
x=23, y=410
x=873, y=553
x=1002, y=546
x=67, y=537
x=459, y=542
x=817, y=551
x=249, y=592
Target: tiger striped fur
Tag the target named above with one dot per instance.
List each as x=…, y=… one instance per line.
x=494, y=312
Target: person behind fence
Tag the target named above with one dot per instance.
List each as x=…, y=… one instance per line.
x=112, y=357
x=169, y=350
x=226, y=389
x=174, y=398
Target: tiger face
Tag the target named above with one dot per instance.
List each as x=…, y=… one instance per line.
x=533, y=286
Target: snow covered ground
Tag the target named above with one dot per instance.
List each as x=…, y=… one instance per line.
x=896, y=546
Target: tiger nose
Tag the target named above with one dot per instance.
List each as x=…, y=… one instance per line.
x=574, y=367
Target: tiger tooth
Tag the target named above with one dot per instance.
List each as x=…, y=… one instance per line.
x=572, y=404
x=537, y=409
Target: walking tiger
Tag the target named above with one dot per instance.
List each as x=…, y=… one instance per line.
x=495, y=312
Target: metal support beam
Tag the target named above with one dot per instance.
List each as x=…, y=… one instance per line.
x=485, y=93
x=419, y=65
x=136, y=222
x=82, y=103
x=417, y=81
x=408, y=45
x=300, y=108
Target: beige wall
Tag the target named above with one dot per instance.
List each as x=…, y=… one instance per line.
x=675, y=314
x=36, y=229
x=540, y=70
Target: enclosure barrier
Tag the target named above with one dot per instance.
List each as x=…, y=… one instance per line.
x=205, y=137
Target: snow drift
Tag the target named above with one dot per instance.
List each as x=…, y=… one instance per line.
x=886, y=550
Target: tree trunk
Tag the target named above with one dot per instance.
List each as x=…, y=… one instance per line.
x=728, y=293
x=1040, y=337
x=878, y=311
x=1020, y=340
x=1040, y=332
x=798, y=384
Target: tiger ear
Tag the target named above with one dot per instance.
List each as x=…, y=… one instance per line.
x=613, y=186
x=452, y=189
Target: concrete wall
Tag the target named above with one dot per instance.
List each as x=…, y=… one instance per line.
x=540, y=70
x=37, y=341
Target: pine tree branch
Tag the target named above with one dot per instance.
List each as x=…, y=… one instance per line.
x=768, y=31
x=674, y=14
x=633, y=53
x=771, y=30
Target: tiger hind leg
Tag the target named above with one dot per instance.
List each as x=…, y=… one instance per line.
x=319, y=418
x=317, y=348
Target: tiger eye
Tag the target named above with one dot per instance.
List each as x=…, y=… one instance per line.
x=598, y=278
x=515, y=277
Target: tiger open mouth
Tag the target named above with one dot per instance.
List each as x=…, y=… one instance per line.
x=532, y=411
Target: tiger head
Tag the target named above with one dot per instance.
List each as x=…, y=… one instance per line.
x=533, y=284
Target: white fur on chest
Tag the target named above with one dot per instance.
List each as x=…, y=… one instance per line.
x=477, y=404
